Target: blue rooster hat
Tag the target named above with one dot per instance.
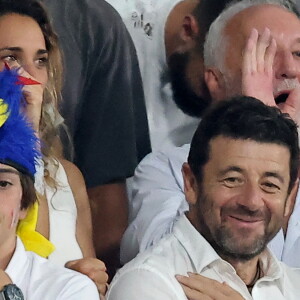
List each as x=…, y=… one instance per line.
x=18, y=142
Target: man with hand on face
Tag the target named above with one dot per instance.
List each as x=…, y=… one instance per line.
x=242, y=166
x=263, y=63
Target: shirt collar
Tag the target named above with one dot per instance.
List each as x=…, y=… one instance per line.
x=200, y=251
x=202, y=254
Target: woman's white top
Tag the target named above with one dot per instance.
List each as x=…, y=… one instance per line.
x=62, y=218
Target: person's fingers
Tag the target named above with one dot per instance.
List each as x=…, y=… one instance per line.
x=263, y=43
x=192, y=294
x=254, y=39
x=292, y=105
x=103, y=288
x=86, y=263
x=250, y=48
x=270, y=56
x=92, y=267
x=202, y=284
x=193, y=283
x=14, y=65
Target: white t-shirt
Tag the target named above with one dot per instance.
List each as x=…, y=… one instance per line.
x=151, y=275
x=145, y=21
x=39, y=279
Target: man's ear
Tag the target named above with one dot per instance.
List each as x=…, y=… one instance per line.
x=215, y=83
x=290, y=202
x=190, y=184
x=189, y=30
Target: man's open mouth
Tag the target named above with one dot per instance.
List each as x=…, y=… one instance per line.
x=281, y=98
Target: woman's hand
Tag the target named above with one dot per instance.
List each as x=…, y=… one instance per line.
x=33, y=95
x=92, y=267
x=197, y=287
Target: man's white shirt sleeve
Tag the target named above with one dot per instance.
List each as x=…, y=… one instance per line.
x=157, y=198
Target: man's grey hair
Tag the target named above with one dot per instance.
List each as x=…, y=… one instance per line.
x=215, y=42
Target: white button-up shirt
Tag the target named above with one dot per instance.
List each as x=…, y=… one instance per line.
x=39, y=279
x=151, y=275
x=158, y=198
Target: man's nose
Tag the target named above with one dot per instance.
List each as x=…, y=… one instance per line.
x=285, y=66
x=252, y=197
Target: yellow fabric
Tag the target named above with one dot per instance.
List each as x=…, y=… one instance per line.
x=32, y=240
x=3, y=112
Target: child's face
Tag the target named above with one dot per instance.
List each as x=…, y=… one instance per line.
x=10, y=203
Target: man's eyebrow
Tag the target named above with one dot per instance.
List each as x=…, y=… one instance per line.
x=230, y=169
x=8, y=170
x=275, y=175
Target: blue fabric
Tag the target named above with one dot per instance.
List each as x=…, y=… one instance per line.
x=18, y=142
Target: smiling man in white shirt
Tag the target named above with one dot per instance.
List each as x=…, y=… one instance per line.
x=242, y=167
x=157, y=187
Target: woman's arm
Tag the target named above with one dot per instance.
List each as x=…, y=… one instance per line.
x=89, y=265
x=84, y=229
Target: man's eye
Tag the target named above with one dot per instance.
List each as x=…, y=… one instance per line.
x=270, y=187
x=296, y=53
x=4, y=184
x=232, y=181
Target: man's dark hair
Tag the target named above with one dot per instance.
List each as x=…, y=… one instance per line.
x=28, y=191
x=205, y=13
x=244, y=118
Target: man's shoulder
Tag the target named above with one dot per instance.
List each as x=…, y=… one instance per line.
x=93, y=11
x=159, y=263
x=172, y=154
x=291, y=273
x=291, y=280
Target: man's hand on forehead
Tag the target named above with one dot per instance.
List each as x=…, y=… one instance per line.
x=257, y=73
x=257, y=68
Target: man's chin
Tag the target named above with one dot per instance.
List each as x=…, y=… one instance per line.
x=240, y=246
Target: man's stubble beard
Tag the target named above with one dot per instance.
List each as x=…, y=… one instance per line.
x=227, y=244
x=184, y=96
